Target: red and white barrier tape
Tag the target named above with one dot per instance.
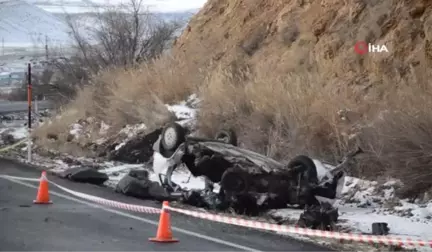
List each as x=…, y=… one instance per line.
x=111, y=203
x=388, y=240
x=102, y=201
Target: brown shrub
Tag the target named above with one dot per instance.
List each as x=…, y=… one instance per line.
x=120, y=97
x=399, y=142
x=282, y=115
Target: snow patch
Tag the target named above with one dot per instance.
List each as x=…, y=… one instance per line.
x=185, y=110
x=20, y=133
x=120, y=145
x=76, y=130
x=132, y=130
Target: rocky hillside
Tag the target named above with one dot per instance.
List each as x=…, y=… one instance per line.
x=316, y=34
x=306, y=90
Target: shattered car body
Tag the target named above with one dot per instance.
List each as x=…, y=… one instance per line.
x=245, y=177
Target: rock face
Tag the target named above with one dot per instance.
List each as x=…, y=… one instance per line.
x=286, y=35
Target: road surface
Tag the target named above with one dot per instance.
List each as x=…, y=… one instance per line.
x=21, y=106
x=72, y=224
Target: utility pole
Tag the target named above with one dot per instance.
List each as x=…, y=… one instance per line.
x=46, y=47
x=29, y=99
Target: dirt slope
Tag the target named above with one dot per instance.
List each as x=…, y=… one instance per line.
x=304, y=70
x=287, y=34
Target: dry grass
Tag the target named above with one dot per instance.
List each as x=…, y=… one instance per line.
x=283, y=115
x=119, y=97
x=291, y=91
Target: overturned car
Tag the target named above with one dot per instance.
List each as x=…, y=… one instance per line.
x=247, y=180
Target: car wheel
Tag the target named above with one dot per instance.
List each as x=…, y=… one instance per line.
x=304, y=166
x=172, y=136
x=304, y=173
x=235, y=181
x=227, y=136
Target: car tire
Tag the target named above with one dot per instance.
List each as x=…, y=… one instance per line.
x=304, y=164
x=172, y=136
x=227, y=136
x=235, y=181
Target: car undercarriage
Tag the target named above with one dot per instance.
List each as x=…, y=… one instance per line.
x=245, y=177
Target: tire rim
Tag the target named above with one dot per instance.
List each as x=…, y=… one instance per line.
x=170, y=137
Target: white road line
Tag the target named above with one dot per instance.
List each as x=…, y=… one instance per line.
x=180, y=230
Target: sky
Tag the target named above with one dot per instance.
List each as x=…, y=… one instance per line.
x=154, y=5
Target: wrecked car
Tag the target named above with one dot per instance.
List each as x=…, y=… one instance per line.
x=245, y=177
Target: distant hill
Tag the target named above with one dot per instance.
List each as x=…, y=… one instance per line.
x=24, y=23
x=27, y=22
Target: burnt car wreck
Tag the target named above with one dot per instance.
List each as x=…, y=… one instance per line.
x=249, y=182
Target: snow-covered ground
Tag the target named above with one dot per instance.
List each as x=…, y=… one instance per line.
x=15, y=129
x=361, y=202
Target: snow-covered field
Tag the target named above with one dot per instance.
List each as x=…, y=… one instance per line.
x=15, y=129
x=29, y=24
x=24, y=23
x=361, y=203
x=26, y=26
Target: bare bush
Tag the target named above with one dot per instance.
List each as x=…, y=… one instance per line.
x=123, y=37
x=119, y=97
x=39, y=82
x=279, y=115
x=399, y=142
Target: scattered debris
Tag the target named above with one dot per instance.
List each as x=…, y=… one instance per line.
x=137, y=184
x=380, y=228
x=85, y=175
x=323, y=217
x=205, y=198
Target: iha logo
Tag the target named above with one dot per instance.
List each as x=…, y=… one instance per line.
x=362, y=47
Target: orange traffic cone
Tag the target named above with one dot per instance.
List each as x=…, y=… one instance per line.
x=43, y=194
x=164, y=233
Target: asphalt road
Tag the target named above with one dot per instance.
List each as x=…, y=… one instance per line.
x=20, y=106
x=72, y=224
